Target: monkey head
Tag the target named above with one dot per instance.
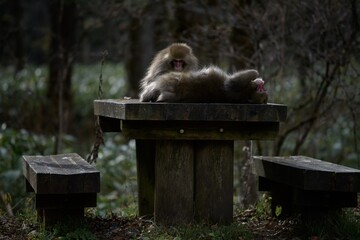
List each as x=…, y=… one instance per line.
x=180, y=58
x=260, y=94
x=260, y=85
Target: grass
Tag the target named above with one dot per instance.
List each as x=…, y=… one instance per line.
x=198, y=232
x=65, y=232
x=344, y=225
x=252, y=223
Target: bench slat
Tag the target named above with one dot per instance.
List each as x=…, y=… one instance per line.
x=308, y=173
x=63, y=173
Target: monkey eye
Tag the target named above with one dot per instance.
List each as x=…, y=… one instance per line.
x=178, y=64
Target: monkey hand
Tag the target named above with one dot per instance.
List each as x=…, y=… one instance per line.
x=149, y=94
x=161, y=90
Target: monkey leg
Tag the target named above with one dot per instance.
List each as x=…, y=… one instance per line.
x=242, y=78
x=259, y=98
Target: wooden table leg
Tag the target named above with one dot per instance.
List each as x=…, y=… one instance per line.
x=214, y=181
x=174, y=182
x=145, y=157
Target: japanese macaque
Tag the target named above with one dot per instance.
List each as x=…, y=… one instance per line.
x=178, y=57
x=173, y=77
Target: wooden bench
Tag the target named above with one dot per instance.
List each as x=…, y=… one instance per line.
x=306, y=185
x=185, y=152
x=64, y=184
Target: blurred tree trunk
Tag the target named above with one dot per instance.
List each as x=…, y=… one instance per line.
x=141, y=50
x=241, y=41
x=199, y=25
x=63, y=16
x=12, y=34
x=243, y=50
x=19, y=48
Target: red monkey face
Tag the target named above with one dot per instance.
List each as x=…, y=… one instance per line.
x=178, y=64
x=260, y=84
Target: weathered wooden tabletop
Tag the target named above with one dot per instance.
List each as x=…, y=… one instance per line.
x=190, y=121
x=135, y=110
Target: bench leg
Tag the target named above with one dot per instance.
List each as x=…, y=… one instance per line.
x=281, y=196
x=51, y=217
x=145, y=157
x=214, y=181
x=63, y=208
x=174, y=182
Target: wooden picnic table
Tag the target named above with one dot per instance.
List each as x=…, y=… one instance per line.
x=185, y=152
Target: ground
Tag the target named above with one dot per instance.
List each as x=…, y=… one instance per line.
x=248, y=224
x=118, y=228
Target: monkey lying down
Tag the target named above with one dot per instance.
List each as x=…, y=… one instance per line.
x=173, y=76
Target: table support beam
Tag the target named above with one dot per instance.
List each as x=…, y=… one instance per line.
x=174, y=185
x=214, y=181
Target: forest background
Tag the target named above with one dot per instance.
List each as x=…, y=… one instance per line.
x=53, y=53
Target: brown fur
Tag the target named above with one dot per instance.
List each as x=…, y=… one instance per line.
x=161, y=63
x=163, y=84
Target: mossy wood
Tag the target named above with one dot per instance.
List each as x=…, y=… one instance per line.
x=185, y=152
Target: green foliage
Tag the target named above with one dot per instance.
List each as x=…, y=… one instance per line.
x=21, y=96
x=263, y=206
x=66, y=232
x=117, y=164
x=17, y=113
x=278, y=210
x=14, y=144
x=85, y=88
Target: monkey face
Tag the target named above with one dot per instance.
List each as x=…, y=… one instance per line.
x=178, y=65
x=260, y=85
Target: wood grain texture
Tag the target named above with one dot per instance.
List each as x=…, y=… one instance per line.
x=196, y=130
x=63, y=173
x=174, y=186
x=214, y=181
x=145, y=159
x=308, y=173
x=135, y=110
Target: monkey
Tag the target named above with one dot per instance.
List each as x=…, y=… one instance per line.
x=167, y=82
x=177, y=57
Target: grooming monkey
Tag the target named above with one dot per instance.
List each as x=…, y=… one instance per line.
x=173, y=76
